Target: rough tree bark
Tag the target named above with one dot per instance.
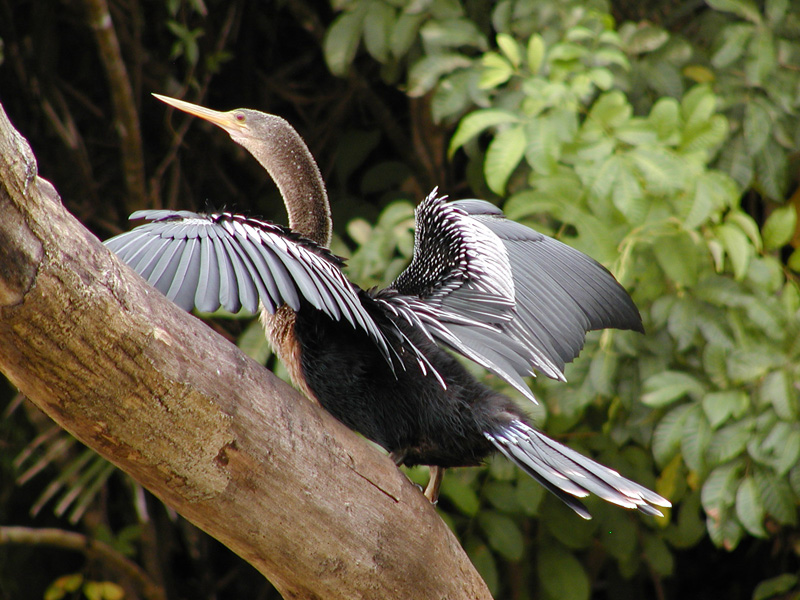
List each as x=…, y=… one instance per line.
x=314, y=508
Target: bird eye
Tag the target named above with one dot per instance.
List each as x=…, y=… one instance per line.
x=239, y=117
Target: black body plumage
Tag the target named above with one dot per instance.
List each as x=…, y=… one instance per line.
x=501, y=294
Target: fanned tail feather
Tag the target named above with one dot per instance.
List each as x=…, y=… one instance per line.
x=568, y=474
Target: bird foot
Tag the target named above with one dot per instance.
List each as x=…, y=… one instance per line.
x=434, y=483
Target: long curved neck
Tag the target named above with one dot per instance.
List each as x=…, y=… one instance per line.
x=289, y=162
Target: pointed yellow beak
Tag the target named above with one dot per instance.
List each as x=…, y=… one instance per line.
x=225, y=120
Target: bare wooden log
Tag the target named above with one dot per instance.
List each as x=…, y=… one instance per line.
x=312, y=506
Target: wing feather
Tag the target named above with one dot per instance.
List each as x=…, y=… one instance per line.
x=503, y=295
x=208, y=260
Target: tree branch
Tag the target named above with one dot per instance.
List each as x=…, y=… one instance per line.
x=126, y=115
x=71, y=540
x=209, y=431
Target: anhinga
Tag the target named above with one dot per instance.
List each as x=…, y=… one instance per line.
x=497, y=292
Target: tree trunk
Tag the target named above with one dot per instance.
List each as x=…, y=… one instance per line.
x=318, y=511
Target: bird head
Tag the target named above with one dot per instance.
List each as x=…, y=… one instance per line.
x=242, y=124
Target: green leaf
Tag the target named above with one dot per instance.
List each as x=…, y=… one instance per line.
x=605, y=176
x=746, y=9
x=750, y=365
x=566, y=52
x=776, y=495
x=729, y=442
x=690, y=527
x=442, y=9
x=560, y=521
x=496, y=71
x=536, y=49
x=757, y=126
x=426, y=73
x=561, y=575
x=779, y=227
x=404, y=33
x=529, y=494
x=677, y=256
x=749, y=508
x=789, y=451
x=776, y=11
x=502, y=156
x=734, y=37
x=510, y=48
x=637, y=132
x=647, y=38
x=668, y=434
x=665, y=117
x=502, y=495
x=658, y=555
x=451, y=34
x=610, y=110
x=705, y=137
x=662, y=170
x=453, y=95
x=714, y=191
x=462, y=496
x=602, y=372
x=737, y=246
x=776, y=388
x=725, y=532
x=378, y=25
x=619, y=535
x=477, y=122
x=502, y=534
x=628, y=196
x=719, y=489
x=665, y=388
x=771, y=168
x=683, y=321
x=611, y=56
x=103, y=590
x=696, y=438
x=747, y=224
x=697, y=106
x=699, y=73
x=341, y=41
x=719, y=406
x=602, y=78
x=736, y=161
x=761, y=59
x=775, y=586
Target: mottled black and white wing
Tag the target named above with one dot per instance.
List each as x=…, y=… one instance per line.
x=212, y=260
x=560, y=292
x=458, y=287
x=503, y=295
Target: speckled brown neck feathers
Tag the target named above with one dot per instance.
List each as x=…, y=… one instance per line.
x=285, y=156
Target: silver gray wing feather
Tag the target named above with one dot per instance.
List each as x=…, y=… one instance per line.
x=560, y=292
x=207, y=261
x=503, y=295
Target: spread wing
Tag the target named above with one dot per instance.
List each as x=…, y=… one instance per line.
x=504, y=295
x=212, y=260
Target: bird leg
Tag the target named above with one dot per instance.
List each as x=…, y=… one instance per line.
x=432, y=489
x=436, y=473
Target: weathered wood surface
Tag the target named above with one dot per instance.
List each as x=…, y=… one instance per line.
x=312, y=506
